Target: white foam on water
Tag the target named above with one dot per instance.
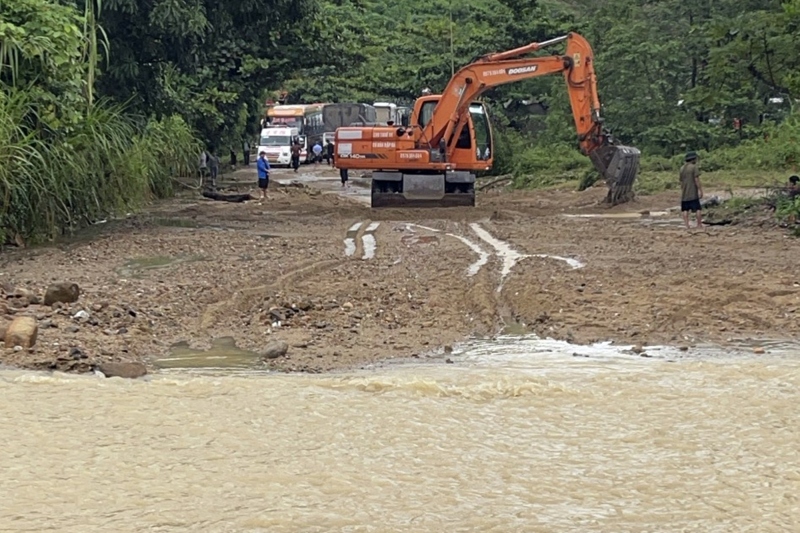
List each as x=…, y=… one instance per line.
x=483, y=256
x=372, y=227
x=356, y=226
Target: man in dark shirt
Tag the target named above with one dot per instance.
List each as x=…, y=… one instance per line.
x=296, y=148
x=691, y=190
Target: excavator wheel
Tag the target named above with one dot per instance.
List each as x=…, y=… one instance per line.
x=619, y=166
x=398, y=189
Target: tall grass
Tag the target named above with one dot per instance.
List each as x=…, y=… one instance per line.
x=67, y=157
x=53, y=181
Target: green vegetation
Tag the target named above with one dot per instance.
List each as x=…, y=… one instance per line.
x=103, y=104
x=66, y=157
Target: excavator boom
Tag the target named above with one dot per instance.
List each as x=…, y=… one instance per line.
x=433, y=160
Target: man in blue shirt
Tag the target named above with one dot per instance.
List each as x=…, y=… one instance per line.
x=263, y=174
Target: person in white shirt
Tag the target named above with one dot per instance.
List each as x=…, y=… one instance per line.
x=317, y=153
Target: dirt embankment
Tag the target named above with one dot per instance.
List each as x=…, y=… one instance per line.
x=345, y=286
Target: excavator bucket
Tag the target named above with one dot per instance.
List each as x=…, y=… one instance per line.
x=398, y=189
x=619, y=166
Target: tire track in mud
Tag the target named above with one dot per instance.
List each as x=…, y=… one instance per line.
x=493, y=300
x=242, y=298
x=359, y=242
x=351, y=239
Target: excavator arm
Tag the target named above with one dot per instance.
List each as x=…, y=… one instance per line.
x=618, y=164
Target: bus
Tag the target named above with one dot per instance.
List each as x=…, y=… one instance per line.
x=306, y=118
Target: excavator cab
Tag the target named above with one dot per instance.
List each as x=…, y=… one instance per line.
x=451, y=187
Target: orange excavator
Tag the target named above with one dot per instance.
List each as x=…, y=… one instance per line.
x=431, y=159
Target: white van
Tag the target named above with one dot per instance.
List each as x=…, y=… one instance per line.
x=277, y=143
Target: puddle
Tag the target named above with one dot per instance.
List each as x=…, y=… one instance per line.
x=223, y=355
x=350, y=239
x=647, y=217
x=140, y=265
x=176, y=222
x=369, y=240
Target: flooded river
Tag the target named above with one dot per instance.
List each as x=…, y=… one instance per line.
x=515, y=439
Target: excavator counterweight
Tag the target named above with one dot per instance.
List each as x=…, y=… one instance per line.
x=432, y=161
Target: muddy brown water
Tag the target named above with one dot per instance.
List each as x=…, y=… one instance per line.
x=517, y=435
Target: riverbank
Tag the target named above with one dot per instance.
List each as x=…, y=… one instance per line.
x=345, y=286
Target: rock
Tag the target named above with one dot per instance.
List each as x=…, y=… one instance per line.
x=72, y=329
x=81, y=315
x=19, y=302
x=76, y=353
x=759, y=350
x=275, y=349
x=347, y=306
x=122, y=370
x=22, y=332
x=683, y=348
x=448, y=349
x=62, y=292
x=46, y=324
x=22, y=297
x=3, y=329
x=4, y=308
x=638, y=349
x=277, y=314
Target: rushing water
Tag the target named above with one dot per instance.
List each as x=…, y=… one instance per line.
x=524, y=440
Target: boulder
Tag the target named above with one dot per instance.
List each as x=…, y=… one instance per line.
x=62, y=292
x=122, y=370
x=22, y=332
x=275, y=349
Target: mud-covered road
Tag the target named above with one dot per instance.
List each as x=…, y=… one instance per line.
x=346, y=286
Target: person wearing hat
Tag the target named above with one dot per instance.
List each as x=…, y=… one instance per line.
x=691, y=190
x=263, y=173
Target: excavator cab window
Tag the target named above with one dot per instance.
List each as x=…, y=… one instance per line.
x=483, y=135
x=426, y=112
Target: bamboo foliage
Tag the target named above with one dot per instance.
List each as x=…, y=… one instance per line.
x=68, y=158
